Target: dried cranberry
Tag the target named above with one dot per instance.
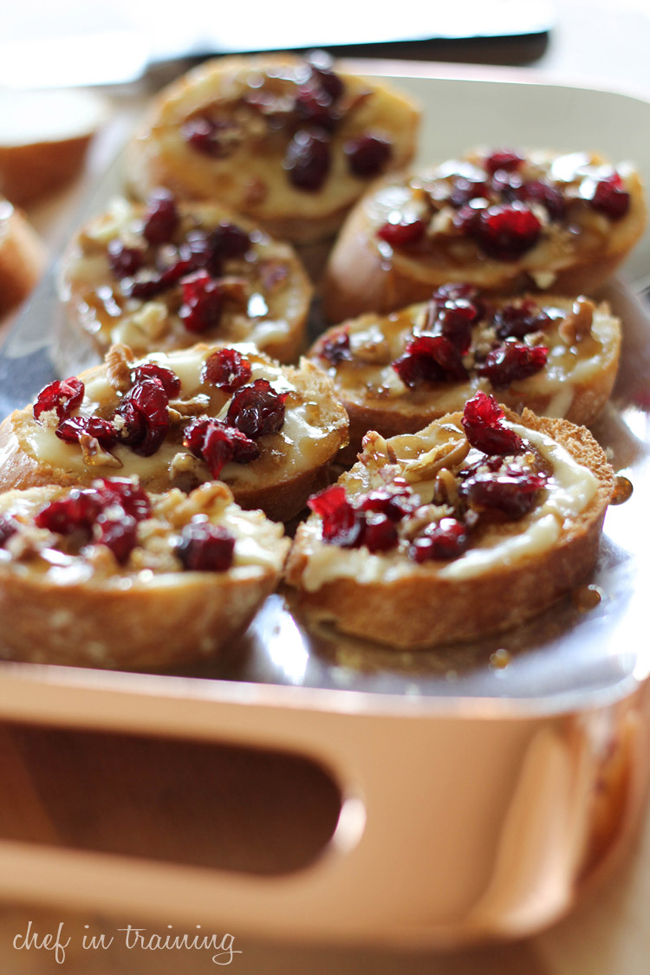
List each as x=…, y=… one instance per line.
x=209, y=137
x=8, y=527
x=393, y=503
x=119, y=535
x=430, y=359
x=342, y=524
x=611, y=198
x=408, y=231
x=511, y=362
x=506, y=159
x=368, y=155
x=314, y=106
x=203, y=302
x=507, y=187
x=63, y=396
x=75, y=427
x=549, y=196
x=506, y=231
x=464, y=190
x=227, y=242
x=335, y=348
x=227, y=369
x=445, y=539
x=151, y=370
x=124, y=261
x=509, y=491
x=126, y=493
x=483, y=424
x=151, y=283
x=467, y=217
x=455, y=321
x=161, y=218
x=321, y=73
x=218, y=444
x=449, y=294
x=145, y=412
x=519, y=319
x=379, y=534
x=308, y=160
x=204, y=547
x=77, y=512
x=257, y=409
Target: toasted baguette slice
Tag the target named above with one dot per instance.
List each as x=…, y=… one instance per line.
x=444, y=560
x=273, y=136
x=295, y=430
x=111, y=576
x=44, y=137
x=568, y=349
x=22, y=257
x=250, y=287
x=559, y=222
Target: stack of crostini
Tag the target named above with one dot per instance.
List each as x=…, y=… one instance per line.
x=144, y=505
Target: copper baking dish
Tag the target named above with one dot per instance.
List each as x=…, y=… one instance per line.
x=474, y=800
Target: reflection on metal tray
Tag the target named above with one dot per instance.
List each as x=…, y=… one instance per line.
x=489, y=781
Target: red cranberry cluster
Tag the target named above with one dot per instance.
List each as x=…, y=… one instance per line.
x=497, y=211
x=141, y=419
x=105, y=514
x=492, y=486
x=312, y=118
x=436, y=354
x=196, y=262
x=370, y=520
x=256, y=409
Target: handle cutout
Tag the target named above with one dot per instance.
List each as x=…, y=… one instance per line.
x=197, y=803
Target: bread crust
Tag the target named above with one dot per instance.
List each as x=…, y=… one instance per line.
x=271, y=483
x=570, y=394
x=421, y=610
x=152, y=624
x=361, y=276
x=44, y=138
x=22, y=257
x=252, y=179
x=273, y=273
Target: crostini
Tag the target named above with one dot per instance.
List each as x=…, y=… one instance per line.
x=22, y=257
x=396, y=373
x=471, y=526
x=166, y=274
x=505, y=221
x=181, y=419
x=110, y=575
x=289, y=141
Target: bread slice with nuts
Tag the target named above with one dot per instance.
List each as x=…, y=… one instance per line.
x=164, y=275
x=181, y=419
x=471, y=526
x=289, y=141
x=112, y=576
x=504, y=221
x=396, y=373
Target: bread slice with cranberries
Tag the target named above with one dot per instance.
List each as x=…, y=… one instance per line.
x=110, y=575
x=166, y=274
x=181, y=419
x=471, y=526
x=505, y=221
x=291, y=142
x=396, y=373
